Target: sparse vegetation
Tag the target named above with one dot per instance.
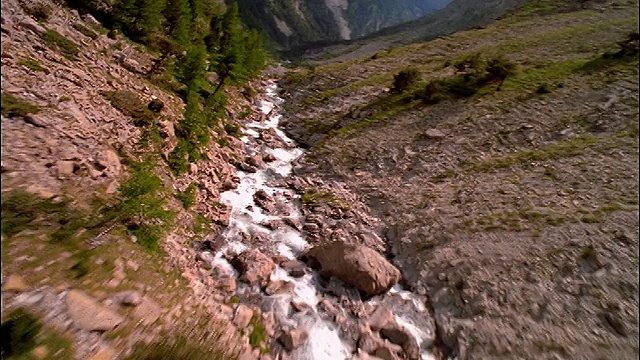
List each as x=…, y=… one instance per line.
x=39, y=11
x=405, y=79
x=188, y=196
x=13, y=106
x=312, y=196
x=86, y=31
x=175, y=348
x=130, y=105
x=34, y=65
x=19, y=332
x=56, y=41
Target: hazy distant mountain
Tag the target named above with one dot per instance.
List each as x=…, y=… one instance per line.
x=291, y=23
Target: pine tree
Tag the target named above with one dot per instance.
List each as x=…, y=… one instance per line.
x=192, y=67
x=179, y=20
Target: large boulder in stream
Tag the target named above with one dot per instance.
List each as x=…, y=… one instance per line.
x=355, y=265
x=254, y=267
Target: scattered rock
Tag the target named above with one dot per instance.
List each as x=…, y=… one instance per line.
x=434, y=134
x=242, y=317
x=254, y=267
x=127, y=298
x=88, y=314
x=268, y=157
x=30, y=24
x=355, y=265
x=279, y=287
x=295, y=268
x=40, y=352
x=293, y=339
x=104, y=353
x=147, y=311
x=133, y=265
x=193, y=168
x=616, y=323
x=255, y=161
x=65, y=168
x=15, y=283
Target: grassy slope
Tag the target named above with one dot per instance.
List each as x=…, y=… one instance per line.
x=521, y=188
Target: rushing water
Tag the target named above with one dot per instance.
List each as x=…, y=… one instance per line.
x=324, y=342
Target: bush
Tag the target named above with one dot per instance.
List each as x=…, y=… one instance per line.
x=85, y=31
x=32, y=64
x=155, y=105
x=405, y=79
x=129, y=104
x=12, y=106
x=188, y=196
x=40, y=12
x=19, y=333
x=543, y=89
x=55, y=40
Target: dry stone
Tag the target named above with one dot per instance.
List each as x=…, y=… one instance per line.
x=90, y=315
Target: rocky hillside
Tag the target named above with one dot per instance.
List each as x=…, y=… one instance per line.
x=86, y=138
x=293, y=23
x=503, y=163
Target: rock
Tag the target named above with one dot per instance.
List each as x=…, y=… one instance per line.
x=109, y=162
x=434, y=134
x=254, y=267
x=293, y=339
x=365, y=356
x=616, y=323
x=40, y=352
x=369, y=341
x=89, y=19
x=147, y=311
x=295, y=268
x=279, y=287
x=65, y=168
x=268, y=157
x=193, y=168
x=355, y=265
x=382, y=318
x=385, y=353
x=133, y=265
x=88, y=314
x=15, y=283
x=226, y=283
x=255, y=161
x=30, y=24
x=242, y=317
x=265, y=201
x=395, y=334
x=127, y=298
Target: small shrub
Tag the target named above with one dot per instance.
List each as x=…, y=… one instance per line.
x=155, y=105
x=201, y=224
x=179, y=157
x=64, y=98
x=40, y=12
x=258, y=335
x=32, y=64
x=129, y=104
x=19, y=333
x=544, y=89
x=12, y=106
x=232, y=129
x=188, y=196
x=405, y=79
x=85, y=31
x=55, y=40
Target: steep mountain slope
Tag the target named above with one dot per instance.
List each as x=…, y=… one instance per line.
x=291, y=23
x=513, y=207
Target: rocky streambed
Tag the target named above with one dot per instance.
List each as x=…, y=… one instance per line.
x=320, y=297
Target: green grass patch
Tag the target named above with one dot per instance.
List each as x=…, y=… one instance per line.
x=569, y=148
x=188, y=196
x=313, y=196
x=86, y=31
x=130, y=105
x=143, y=204
x=13, y=106
x=258, y=335
x=33, y=65
x=56, y=41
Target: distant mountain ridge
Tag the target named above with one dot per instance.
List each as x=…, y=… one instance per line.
x=292, y=23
